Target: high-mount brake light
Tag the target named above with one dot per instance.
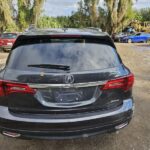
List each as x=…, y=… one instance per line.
x=65, y=36
x=7, y=88
x=124, y=83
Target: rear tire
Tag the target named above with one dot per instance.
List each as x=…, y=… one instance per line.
x=129, y=41
x=5, y=51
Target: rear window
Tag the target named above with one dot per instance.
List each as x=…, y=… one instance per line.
x=9, y=36
x=79, y=54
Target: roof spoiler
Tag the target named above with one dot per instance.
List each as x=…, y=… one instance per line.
x=29, y=39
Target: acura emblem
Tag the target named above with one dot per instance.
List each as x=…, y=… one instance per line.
x=69, y=79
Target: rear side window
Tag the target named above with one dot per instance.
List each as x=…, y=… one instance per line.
x=9, y=36
x=79, y=54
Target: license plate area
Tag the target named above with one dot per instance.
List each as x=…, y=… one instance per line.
x=65, y=95
x=68, y=96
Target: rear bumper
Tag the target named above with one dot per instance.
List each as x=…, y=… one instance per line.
x=39, y=126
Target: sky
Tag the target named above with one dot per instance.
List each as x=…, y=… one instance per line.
x=60, y=7
x=65, y=7
x=142, y=4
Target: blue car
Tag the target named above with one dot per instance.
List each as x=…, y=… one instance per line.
x=137, y=38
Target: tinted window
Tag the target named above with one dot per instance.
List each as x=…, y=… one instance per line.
x=9, y=36
x=138, y=34
x=77, y=54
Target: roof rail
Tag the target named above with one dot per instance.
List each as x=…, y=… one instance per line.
x=94, y=28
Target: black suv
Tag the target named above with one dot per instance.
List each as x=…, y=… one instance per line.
x=64, y=83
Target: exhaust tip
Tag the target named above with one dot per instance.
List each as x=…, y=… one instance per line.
x=121, y=126
x=11, y=134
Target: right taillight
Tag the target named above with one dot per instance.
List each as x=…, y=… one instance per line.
x=124, y=83
x=7, y=88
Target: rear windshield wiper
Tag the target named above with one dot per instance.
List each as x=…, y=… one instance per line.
x=51, y=66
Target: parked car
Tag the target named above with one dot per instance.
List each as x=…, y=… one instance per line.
x=7, y=40
x=139, y=37
x=60, y=84
x=129, y=30
x=117, y=37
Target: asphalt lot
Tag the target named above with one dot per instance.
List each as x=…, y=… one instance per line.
x=134, y=137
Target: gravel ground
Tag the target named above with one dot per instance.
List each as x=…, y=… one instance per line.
x=3, y=57
x=134, y=137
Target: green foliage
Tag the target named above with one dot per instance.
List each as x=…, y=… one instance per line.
x=23, y=12
x=28, y=13
x=5, y=14
x=102, y=15
x=49, y=22
x=110, y=18
x=86, y=16
x=138, y=16
x=143, y=14
x=11, y=28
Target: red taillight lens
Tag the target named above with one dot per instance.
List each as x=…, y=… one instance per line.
x=1, y=89
x=124, y=83
x=1, y=43
x=7, y=88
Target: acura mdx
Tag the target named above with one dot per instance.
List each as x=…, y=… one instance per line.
x=64, y=83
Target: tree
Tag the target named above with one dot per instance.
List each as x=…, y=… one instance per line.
x=110, y=17
x=28, y=12
x=36, y=10
x=5, y=15
x=79, y=18
x=91, y=7
x=102, y=15
x=87, y=14
x=117, y=11
x=24, y=13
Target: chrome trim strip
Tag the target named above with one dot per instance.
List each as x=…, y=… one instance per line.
x=127, y=105
x=73, y=85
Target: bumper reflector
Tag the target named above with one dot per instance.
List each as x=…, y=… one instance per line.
x=121, y=126
x=11, y=134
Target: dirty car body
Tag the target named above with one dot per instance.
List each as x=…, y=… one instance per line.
x=60, y=84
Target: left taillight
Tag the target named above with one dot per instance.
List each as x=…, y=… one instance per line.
x=7, y=88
